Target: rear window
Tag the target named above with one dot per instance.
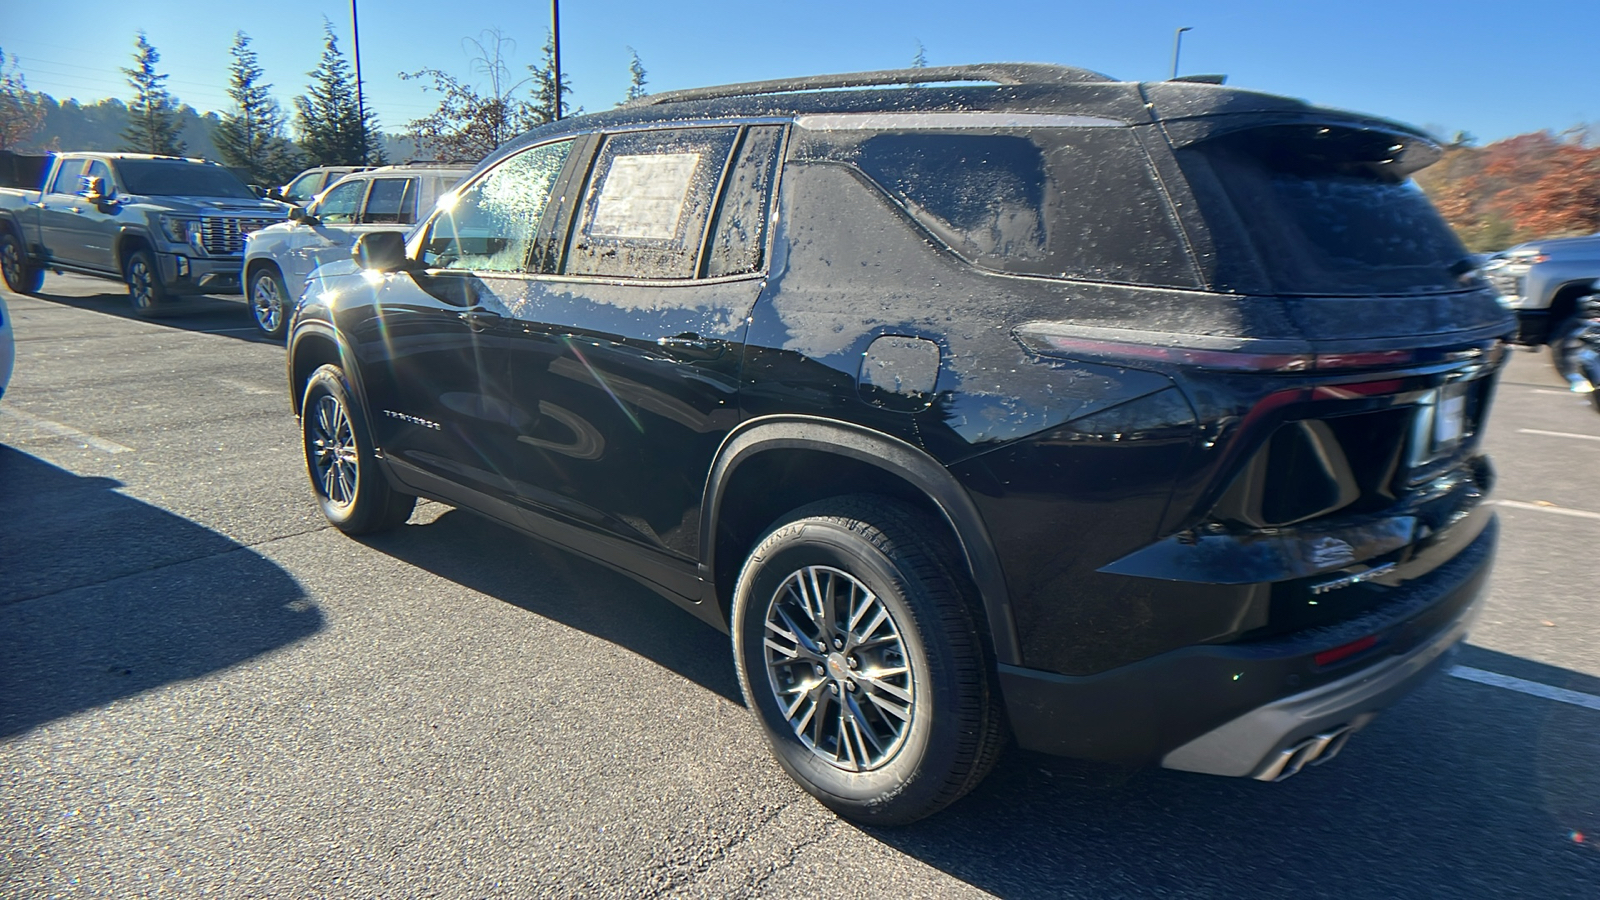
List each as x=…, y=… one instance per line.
x=1060, y=202
x=1329, y=210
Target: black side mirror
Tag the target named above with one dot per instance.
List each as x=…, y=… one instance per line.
x=92, y=188
x=383, y=251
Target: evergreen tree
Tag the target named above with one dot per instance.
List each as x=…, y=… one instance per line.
x=544, y=100
x=153, y=114
x=635, y=78
x=250, y=135
x=920, y=60
x=333, y=132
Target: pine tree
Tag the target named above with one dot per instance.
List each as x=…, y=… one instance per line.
x=333, y=132
x=250, y=135
x=920, y=60
x=153, y=114
x=635, y=78
x=544, y=102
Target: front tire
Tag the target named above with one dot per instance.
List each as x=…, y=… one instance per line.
x=146, y=294
x=353, y=492
x=858, y=652
x=269, y=309
x=20, y=276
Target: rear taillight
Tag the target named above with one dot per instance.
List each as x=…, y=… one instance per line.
x=1345, y=651
x=1049, y=344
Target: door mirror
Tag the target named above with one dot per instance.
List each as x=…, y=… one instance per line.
x=383, y=251
x=92, y=187
x=302, y=215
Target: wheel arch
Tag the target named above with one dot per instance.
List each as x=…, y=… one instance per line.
x=128, y=242
x=1564, y=303
x=310, y=348
x=769, y=451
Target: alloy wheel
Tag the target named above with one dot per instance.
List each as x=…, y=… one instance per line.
x=267, y=303
x=838, y=667
x=141, y=284
x=333, y=451
x=10, y=263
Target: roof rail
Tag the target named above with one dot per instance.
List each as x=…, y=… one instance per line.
x=994, y=73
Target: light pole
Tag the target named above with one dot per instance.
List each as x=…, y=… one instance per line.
x=1177, y=45
x=555, y=55
x=361, y=106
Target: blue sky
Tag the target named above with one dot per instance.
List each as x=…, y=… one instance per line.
x=1490, y=68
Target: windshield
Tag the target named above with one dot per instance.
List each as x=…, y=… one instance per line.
x=174, y=178
x=1327, y=211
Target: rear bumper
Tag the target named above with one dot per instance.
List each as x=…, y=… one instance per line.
x=1232, y=709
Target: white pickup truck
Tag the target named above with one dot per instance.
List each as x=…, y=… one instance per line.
x=1543, y=282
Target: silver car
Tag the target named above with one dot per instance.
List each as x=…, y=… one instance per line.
x=277, y=260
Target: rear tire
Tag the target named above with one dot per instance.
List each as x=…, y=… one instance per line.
x=353, y=492
x=269, y=308
x=146, y=294
x=883, y=709
x=20, y=276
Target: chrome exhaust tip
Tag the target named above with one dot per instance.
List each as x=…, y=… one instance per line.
x=1314, y=751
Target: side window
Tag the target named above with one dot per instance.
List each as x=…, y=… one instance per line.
x=304, y=188
x=647, y=203
x=738, y=233
x=67, y=177
x=393, y=201
x=342, y=204
x=98, y=169
x=490, y=225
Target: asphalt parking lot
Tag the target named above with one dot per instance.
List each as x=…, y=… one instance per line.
x=204, y=690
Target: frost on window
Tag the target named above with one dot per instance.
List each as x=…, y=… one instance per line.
x=647, y=203
x=491, y=224
x=642, y=196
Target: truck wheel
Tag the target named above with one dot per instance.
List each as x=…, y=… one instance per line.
x=20, y=276
x=145, y=291
x=269, y=308
x=858, y=654
x=354, y=494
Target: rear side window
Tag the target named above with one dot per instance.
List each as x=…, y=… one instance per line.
x=1076, y=203
x=1328, y=210
x=392, y=201
x=738, y=232
x=647, y=203
x=67, y=177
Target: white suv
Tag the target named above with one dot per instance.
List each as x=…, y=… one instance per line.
x=279, y=259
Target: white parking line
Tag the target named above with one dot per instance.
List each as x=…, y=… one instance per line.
x=1581, y=437
x=1551, y=391
x=67, y=431
x=1549, y=508
x=1523, y=686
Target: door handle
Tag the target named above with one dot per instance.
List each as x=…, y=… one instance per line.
x=75, y=210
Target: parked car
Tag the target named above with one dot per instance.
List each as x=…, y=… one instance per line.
x=305, y=187
x=1134, y=422
x=278, y=259
x=165, y=226
x=1543, y=281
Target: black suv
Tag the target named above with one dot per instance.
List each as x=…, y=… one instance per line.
x=1134, y=422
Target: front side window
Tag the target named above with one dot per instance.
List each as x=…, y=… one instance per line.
x=648, y=200
x=393, y=201
x=342, y=204
x=491, y=224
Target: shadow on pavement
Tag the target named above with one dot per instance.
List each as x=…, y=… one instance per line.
x=103, y=596
x=227, y=316
x=489, y=558
x=1462, y=790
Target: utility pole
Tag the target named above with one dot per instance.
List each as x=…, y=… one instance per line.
x=361, y=106
x=555, y=63
x=1177, y=44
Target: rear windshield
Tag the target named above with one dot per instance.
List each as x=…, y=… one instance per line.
x=1329, y=211
x=1076, y=203
x=172, y=178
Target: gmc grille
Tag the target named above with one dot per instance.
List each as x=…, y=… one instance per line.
x=224, y=235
